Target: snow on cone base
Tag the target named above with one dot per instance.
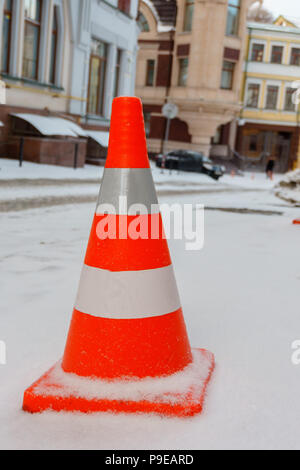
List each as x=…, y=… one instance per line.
x=181, y=394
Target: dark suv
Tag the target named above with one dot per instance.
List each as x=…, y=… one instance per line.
x=185, y=160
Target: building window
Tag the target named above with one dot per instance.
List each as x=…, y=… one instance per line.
x=252, y=95
x=124, y=6
x=150, y=72
x=257, y=52
x=233, y=18
x=117, y=73
x=188, y=15
x=54, y=37
x=183, y=71
x=227, y=75
x=97, y=78
x=295, y=56
x=143, y=23
x=147, y=119
x=277, y=54
x=272, y=97
x=289, y=105
x=33, y=11
x=6, y=35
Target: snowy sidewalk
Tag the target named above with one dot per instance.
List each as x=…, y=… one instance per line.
x=34, y=186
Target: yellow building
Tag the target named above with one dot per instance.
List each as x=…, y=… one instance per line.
x=270, y=119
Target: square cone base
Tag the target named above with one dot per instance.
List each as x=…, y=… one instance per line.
x=181, y=394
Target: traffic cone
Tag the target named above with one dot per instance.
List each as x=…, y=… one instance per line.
x=127, y=348
x=296, y=222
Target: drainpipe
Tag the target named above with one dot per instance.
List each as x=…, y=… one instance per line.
x=246, y=73
x=168, y=87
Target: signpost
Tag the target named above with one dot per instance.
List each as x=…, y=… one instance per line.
x=170, y=111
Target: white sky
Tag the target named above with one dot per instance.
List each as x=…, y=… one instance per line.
x=284, y=7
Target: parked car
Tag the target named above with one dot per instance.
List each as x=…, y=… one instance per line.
x=185, y=160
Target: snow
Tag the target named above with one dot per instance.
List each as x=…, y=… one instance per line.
x=288, y=188
x=9, y=169
x=240, y=298
x=36, y=185
x=163, y=390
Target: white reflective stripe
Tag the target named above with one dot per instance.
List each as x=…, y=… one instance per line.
x=127, y=294
x=135, y=184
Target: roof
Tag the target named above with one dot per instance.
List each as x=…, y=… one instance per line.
x=287, y=21
x=274, y=28
x=101, y=137
x=165, y=12
x=48, y=125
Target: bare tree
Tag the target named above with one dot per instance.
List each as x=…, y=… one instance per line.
x=259, y=14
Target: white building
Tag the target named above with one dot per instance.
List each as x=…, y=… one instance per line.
x=64, y=58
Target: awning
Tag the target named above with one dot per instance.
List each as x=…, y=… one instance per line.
x=101, y=137
x=49, y=125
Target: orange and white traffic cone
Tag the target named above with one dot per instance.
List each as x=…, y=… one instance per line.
x=127, y=348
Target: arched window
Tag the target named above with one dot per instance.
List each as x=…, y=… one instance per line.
x=6, y=35
x=33, y=14
x=53, y=54
x=143, y=23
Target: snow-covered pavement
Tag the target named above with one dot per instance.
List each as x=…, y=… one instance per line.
x=240, y=296
x=34, y=186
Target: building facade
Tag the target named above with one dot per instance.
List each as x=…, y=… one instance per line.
x=191, y=54
x=270, y=119
x=64, y=58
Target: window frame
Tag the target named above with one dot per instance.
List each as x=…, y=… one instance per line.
x=36, y=24
x=254, y=59
x=259, y=85
x=181, y=60
x=10, y=13
x=124, y=6
x=282, y=54
x=54, y=32
x=233, y=64
x=187, y=5
x=291, y=55
x=100, y=104
x=238, y=8
x=272, y=85
x=147, y=82
x=288, y=87
x=117, y=74
x=142, y=21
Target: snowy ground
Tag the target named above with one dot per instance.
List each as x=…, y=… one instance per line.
x=35, y=185
x=240, y=296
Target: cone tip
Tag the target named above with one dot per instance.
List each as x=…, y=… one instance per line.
x=127, y=144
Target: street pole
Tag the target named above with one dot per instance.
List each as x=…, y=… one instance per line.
x=167, y=135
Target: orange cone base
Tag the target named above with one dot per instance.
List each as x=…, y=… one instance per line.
x=180, y=395
x=296, y=222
